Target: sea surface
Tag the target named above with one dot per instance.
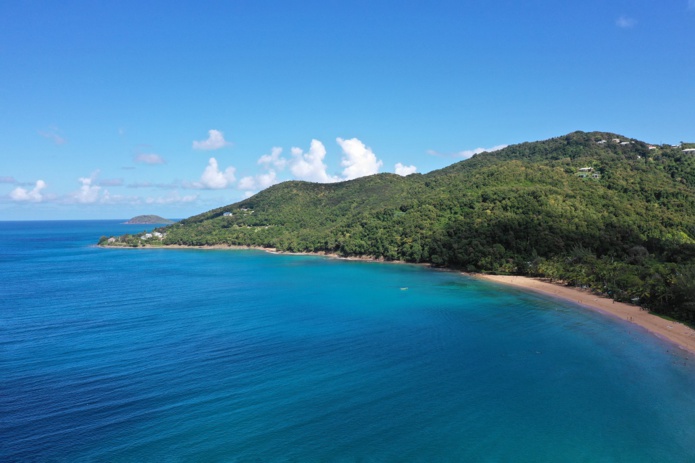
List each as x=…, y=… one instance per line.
x=120, y=355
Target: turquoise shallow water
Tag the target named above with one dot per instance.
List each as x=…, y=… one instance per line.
x=190, y=355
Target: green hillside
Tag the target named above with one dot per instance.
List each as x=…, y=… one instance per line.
x=617, y=216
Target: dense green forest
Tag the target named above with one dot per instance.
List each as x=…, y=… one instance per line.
x=592, y=209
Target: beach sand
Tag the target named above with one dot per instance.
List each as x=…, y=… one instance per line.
x=675, y=332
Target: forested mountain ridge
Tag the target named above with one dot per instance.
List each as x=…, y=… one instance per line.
x=595, y=209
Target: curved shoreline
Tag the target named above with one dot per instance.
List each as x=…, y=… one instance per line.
x=673, y=331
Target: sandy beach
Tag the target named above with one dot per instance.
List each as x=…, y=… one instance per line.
x=678, y=333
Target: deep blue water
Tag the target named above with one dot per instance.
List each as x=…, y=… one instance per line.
x=191, y=355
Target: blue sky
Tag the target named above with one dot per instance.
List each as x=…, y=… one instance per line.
x=114, y=109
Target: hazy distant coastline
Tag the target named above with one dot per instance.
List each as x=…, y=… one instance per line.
x=149, y=220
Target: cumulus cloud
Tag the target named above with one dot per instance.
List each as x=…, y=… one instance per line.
x=34, y=195
x=214, y=141
x=89, y=191
x=247, y=183
x=259, y=182
x=213, y=178
x=405, y=170
x=149, y=158
x=309, y=166
x=273, y=159
x=625, y=22
x=269, y=162
x=266, y=180
x=358, y=159
x=53, y=134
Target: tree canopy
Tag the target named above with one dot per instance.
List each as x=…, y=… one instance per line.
x=593, y=209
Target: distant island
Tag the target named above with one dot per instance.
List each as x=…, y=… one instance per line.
x=595, y=210
x=148, y=220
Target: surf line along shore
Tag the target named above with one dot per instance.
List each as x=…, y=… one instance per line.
x=681, y=335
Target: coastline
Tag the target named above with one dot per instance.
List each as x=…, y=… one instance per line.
x=233, y=247
x=670, y=330
x=675, y=332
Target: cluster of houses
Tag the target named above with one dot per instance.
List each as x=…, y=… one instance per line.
x=154, y=234
x=614, y=140
x=650, y=147
x=243, y=209
x=588, y=172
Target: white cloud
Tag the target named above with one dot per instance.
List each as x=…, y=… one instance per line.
x=265, y=180
x=465, y=154
x=625, y=22
x=172, y=199
x=53, y=134
x=247, y=183
x=215, y=179
x=273, y=159
x=309, y=166
x=405, y=170
x=108, y=198
x=215, y=141
x=149, y=158
x=259, y=182
x=262, y=181
x=34, y=195
x=359, y=160
x=88, y=192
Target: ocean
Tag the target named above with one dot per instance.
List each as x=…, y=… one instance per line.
x=120, y=355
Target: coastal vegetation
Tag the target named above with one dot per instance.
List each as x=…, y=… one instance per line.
x=599, y=210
